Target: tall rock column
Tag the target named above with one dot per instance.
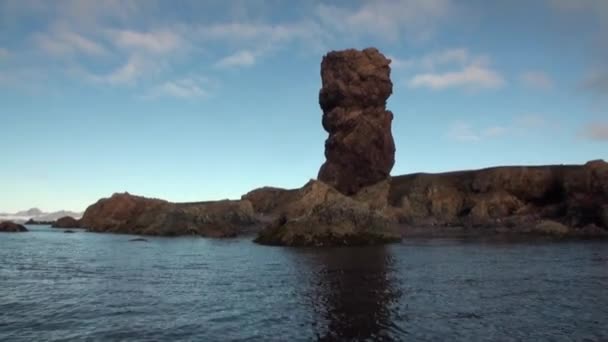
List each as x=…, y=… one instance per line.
x=360, y=150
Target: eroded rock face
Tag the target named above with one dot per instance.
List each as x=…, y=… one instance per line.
x=360, y=150
x=574, y=196
x=320, y=215
x=125, y=213
x=66, y=222
x=11, y=227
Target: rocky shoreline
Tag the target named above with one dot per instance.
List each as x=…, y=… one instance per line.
x=354, y=200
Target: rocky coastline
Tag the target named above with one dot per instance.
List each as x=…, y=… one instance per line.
x=355, y=201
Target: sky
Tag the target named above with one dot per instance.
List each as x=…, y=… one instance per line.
x=199, y=100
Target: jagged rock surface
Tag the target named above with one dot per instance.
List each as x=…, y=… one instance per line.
x=319, y=215
x=125, y=213
x=575, y=196
x=360, y=150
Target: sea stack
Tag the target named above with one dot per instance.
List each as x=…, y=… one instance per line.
x=360, y=150
x=347, y=204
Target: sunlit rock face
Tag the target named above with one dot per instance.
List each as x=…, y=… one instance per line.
x=360, y=150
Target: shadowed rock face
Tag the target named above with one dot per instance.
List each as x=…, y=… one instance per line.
x=125, y=213
x=564, y=200
x=575, y=196
x=66, y=222
x=11, y=227
x=319, y=215
x=360, y=150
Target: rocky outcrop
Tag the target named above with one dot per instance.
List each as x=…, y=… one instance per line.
x=319, y=215
x=11, y=227
x=125, y=213
x=66, y=222
x=360, y=150
x=530, y=199
x=269, y=200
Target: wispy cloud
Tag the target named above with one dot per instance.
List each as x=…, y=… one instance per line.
x=185, y=88
x=465, y=132
x=133, y=69
x=527, y=124
x=242, y=58
x=386, y=19
x=536, y=79
x=471, y=77
x=450, y=68
x=161, y=41
x=597, y=131
x=63, y=42
x=433, y=60
x=596, y=82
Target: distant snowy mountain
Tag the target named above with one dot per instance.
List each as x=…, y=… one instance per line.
x=37, y=215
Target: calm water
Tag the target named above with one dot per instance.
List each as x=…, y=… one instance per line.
x=86, y=286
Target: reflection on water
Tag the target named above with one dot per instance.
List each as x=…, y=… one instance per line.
x=351, y=293
x=102, y=287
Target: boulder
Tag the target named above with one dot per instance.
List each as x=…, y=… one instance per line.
x=66, y=222
x=322, y=216
x=11, y=227
x=360, y=150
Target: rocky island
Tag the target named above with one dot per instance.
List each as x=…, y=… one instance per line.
x=66, y=222
x=11, y=227
x=354, y=200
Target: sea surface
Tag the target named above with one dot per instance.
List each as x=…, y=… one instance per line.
x=103, y=287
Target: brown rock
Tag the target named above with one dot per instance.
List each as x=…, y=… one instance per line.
x=360, y=150
x=322, y=216
x=66, y=222
x=572, y=195
x=11, y=227
x=125, y=213
x=269, y=200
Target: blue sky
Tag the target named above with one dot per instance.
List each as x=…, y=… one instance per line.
x=198, y=100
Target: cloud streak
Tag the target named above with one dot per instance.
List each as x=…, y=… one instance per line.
x=536, y=80
x=595, y=131
x=244, y=58
x=386, y=19
x=471, y=77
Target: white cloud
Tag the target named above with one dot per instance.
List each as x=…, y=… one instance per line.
x=386, y=19
x=519, y=125
x=464, y=132
x=242, y=58
x=597, y=131
x=253, y=32
x=536, y=79
x=133, y=69
x=431, y=61
x=186, y=88
x=472, y=77
x=62, y=42
x=156, y=42
x=449, y=68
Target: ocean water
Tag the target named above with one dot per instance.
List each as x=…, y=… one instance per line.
x=103, y=287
